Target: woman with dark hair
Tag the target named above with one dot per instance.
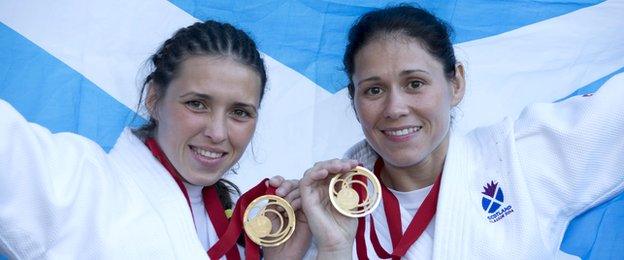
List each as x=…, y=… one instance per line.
x=507, y=190
x=159, y=192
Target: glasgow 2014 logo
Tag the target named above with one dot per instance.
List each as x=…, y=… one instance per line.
x=492, y=202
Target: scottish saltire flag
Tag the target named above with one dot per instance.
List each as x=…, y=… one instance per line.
x=77, y=66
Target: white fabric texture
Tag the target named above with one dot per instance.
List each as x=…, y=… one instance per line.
x=200, y=216
x=553, y=163
x=63, y=197
x=203, y=226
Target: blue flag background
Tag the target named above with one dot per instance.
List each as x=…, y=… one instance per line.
x=77, y=66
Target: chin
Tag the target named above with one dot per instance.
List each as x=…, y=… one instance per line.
x=204, y=179
x=205, y=182
x=403, y=160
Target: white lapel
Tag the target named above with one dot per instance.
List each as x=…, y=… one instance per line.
x=151, y=178
x=452, y=222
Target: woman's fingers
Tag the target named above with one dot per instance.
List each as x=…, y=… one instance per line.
x=283, y=187
x=321, y=170
x=336, y=165
x=276, y=181
x=327, y=225
x=293, y=195
x=286, y=187
x=296, y=204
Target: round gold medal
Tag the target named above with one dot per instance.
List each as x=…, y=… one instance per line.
x=269, y=220
x=346, y=199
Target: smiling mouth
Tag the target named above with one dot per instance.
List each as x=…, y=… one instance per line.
x=402, y=132
x=206, y=153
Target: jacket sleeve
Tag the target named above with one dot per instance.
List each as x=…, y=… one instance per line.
x=572, y=152
x=42, y=176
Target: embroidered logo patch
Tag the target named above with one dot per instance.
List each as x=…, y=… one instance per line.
x=492, y=202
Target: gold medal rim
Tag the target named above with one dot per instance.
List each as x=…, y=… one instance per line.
x=376, y=185
x=289, y=212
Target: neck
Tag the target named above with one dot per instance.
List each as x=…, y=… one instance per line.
x=194, y=191
x=417, y=176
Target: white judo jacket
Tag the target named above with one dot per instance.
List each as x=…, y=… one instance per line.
x=63, y=197
x=554, y=162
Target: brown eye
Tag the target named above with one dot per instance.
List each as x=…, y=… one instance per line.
x=240, y=113
x=195, y=105
x=373, y=91
x=415, y=84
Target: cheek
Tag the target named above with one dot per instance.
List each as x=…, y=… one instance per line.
x=179, y=124
x=240, y=134
x=366, y=112
x=440, y=114
x=437, y=107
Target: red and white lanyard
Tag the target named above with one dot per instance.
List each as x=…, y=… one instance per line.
x=227, y=231
x=401, y=242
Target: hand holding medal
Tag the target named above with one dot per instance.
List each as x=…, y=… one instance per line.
x=268, y=220
x=334, y=223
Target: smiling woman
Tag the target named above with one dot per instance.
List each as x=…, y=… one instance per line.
x=504, y=191
x=403, y=100
x=207, y=116
x=159, y=193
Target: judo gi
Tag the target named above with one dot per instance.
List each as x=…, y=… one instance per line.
x=63, y=197
x=510, y=190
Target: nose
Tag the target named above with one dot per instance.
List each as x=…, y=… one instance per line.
x=396, y=105
x=216, y=128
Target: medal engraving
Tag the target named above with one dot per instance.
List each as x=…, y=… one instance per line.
x=269, y=221
x=345, y=198
x=260, y=226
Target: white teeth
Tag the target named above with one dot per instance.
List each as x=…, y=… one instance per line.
x=207, y=153
x=404, y=131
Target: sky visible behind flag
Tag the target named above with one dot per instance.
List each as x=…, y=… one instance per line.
x=77, y=66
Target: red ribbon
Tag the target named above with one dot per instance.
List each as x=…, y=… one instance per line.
x=401, y=242
x=227, y=231
x=234, y=229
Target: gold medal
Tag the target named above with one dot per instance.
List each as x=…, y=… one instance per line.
x=269, y=220
x=346, y=199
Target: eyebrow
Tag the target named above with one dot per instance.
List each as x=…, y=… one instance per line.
x=195, y=94
x=407, y=72
x=373, y=78
x=402, y=73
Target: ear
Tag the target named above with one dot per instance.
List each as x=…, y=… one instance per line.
x=458, y=84
x=151, y=100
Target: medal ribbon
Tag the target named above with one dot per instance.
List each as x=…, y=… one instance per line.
x=212, y=204
x=401, y=242
x=235, y=227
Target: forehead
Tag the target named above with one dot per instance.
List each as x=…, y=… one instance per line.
x=216, y=76
x=393, y=54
